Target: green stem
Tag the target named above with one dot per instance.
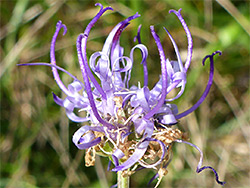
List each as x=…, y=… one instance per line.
x=122, y=182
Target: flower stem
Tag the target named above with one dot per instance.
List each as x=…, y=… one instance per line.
x=122, y=182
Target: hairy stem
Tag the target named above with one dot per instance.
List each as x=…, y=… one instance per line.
x=122, y=182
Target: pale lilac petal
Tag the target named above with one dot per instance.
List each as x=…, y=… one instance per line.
x=118, y=82
x=86, y=141
x=183, y=83
x=102, y=68
x=75, y=86
x=144, y=126
x=68, y=105
x=170, y=69
x=166, y=114
x=167, y=119
x=156, y=91
x=69, y=109
x=134, y=102
x=118, y=154
x=176, y=51
x=71, y=115
x=126, y=68
x=138, y=153
x=142, y=96
x=109, y=105
x=137, y=113
x=181, y=74
x=144, y=52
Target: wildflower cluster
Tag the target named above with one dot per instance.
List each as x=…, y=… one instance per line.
x=132, y=125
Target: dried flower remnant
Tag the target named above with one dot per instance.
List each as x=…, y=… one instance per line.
x=132, y=125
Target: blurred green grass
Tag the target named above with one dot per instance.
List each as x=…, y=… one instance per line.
x=35, y=141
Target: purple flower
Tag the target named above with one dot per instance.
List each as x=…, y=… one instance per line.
x=130, y=124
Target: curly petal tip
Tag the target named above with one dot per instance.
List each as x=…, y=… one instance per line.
x=215, y=173
x=101, y=6
x=211, y=56
x=59, y=25
x=217, y=52
x=174, y=11
x=138, y=36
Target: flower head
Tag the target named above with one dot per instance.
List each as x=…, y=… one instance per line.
x=130, y=124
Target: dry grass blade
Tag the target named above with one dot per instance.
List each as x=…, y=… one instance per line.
x=228, y=6
x=12, y=57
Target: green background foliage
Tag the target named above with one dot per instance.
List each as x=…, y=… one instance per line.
x=35, y=141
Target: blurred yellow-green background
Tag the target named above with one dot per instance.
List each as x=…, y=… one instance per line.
x=35, y=141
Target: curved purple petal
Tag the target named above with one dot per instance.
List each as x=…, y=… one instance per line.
x=83, y=64
x=114, y=34
x=69, y=109
x=205, y=93
x=189, y=37
x=120, y=27
x=181, y=74
x=57, y=99
x=52, y=66
x=163, y=77
x=109, y=165
x=199, y=168
x=113, y=48
x=138, y=36
x=59, y=82
x=82, y=42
